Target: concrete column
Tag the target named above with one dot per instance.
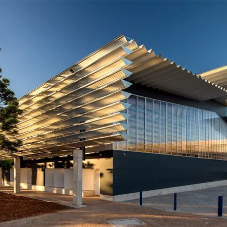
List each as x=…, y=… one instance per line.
x=97, y=182
x=0, y=176
x=16, y=175
x=77, y=177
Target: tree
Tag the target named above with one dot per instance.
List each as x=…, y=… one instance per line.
x=6, y=164
x=9, y=113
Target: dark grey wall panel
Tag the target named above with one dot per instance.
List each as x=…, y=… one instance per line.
x=136, y=171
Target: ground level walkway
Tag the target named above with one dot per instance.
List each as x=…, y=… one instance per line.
x=201, y=202
x=98, y=213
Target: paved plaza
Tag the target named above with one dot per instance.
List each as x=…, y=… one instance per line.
x=99, y=213
x=202, y=202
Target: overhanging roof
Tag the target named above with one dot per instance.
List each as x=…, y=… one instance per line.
x=82, y=106
x=159, y=73
x=219, y=77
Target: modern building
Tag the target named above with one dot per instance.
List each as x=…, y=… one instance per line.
x=143, y=123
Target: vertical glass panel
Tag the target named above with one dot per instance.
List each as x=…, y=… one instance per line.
x=132, y=131
x=188, y=132
x=163, y=128
x=217, y=133
x=149, y=125
x=156, y=126
x=115, y=145
x=206, y=120
x=224, y=141
x=196, y=125
x=200, y=118
x=203, y=138
x=169, y=129
x=219, y=139
x=210, y=135
x=213, y=136
x=174, y=129
x=192, y=126
x=141, y=124
x=184, y=130
x=194, y=133
x=179, y=129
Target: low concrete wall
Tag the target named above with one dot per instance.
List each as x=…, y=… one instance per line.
x=88, y=177
x=68, y=176
x=11, y=175
x=165, y=191
x=60, y=181
x=56, y=181
x=59, y=178
x=49, y=177
x=7, y=183
x=26, y=178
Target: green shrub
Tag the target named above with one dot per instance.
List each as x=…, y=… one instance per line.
x=6, y=164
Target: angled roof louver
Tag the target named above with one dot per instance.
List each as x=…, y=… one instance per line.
x=83, y=102
x=82, y=106
x=219, y=77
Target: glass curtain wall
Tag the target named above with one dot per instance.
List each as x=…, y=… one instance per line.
x=168, y=128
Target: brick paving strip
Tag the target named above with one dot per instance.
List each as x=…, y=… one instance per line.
x=98, y=213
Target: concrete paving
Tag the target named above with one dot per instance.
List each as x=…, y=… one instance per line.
x=98, y=213
x=202, y=202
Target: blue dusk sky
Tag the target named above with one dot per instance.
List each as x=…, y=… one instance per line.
x=39, y=39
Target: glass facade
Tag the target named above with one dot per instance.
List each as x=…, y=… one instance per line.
x=168, y=128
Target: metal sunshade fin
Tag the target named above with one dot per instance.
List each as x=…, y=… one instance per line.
x=53, y=123
x=96, y=103
x=92, y=95
x=141, y=50
x=125, y=51
x=119, y=74
x=136, y=68
x=150, y=72
x=116, y=65
x=67, y=129
x=168, y=70
x=76, y=137
x=131, y=44
x=94, y=141
x=212, y=74
x=29, y=110
x=85, y=62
